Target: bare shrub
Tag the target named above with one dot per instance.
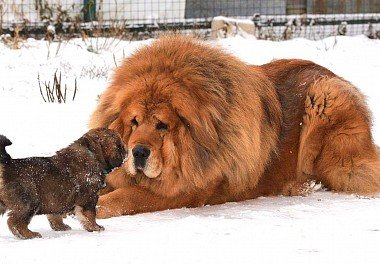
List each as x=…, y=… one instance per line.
x=56, y=92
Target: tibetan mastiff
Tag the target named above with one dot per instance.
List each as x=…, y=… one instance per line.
x=68, y=181
x=203, y=127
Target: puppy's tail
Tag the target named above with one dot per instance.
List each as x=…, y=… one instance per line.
x=4, y=156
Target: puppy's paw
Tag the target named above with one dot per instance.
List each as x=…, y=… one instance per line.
x=62, y=227
x=26, y=234
x=56, y=222
x=33, y=235
x=95, y=227
x=99, y=228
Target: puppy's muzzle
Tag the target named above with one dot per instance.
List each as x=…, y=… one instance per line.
x=140, y=154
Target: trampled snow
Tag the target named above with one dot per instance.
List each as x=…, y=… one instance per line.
x=322, y=228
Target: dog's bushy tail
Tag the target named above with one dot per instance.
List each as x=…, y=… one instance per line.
x=4, y=156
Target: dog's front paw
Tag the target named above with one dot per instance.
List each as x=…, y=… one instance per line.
x=308, y=161
x=103, y=212
x=104, y=209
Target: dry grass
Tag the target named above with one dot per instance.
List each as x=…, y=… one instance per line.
x=55, y=92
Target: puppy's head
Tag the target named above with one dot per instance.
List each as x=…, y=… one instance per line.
x=106, y=146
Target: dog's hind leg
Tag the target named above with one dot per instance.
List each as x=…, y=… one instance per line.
x=336, y=143
x=56, y=223
x=18, y=222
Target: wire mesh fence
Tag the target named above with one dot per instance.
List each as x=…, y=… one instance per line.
x=272, y=19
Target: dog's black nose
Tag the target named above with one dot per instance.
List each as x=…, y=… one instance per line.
x=140, y=154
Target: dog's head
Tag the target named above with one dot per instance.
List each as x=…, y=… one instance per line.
x=106, y=146
x=169, y=109
x=152, y=138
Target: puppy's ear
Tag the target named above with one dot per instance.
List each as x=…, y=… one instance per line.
x=93, y=145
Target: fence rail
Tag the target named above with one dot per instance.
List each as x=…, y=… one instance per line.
x=274, y=19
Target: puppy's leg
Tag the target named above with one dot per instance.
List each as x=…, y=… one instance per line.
x=18, y=222
x=3, y=208
x=87, y=218
x=56, y=223
x=336, y=142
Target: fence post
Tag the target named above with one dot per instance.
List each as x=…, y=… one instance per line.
x=1, y=19
x=89, y=10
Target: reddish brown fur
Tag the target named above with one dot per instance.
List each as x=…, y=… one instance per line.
x=235, y=131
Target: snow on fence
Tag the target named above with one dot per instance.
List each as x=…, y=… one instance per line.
x=133, y=11
x=263, y=19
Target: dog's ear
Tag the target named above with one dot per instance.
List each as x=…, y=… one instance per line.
x=4, y=141
x=119, y=126
x=201, y=128
x=93, y=145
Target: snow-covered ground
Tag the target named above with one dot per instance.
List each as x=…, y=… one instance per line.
x=321, y=228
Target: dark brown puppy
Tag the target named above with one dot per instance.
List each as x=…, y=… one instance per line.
x=67, y=181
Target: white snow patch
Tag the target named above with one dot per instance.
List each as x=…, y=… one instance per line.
x=321, y=228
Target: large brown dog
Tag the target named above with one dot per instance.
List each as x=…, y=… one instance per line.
x=203, y=127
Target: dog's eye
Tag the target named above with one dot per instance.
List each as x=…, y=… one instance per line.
x=134, y=122
x=161, y=126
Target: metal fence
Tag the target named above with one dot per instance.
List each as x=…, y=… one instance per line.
x=273, y=19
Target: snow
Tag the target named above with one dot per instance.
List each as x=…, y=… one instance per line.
x=322, y=228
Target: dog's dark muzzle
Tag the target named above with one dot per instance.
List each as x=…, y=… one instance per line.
x=140, y=154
